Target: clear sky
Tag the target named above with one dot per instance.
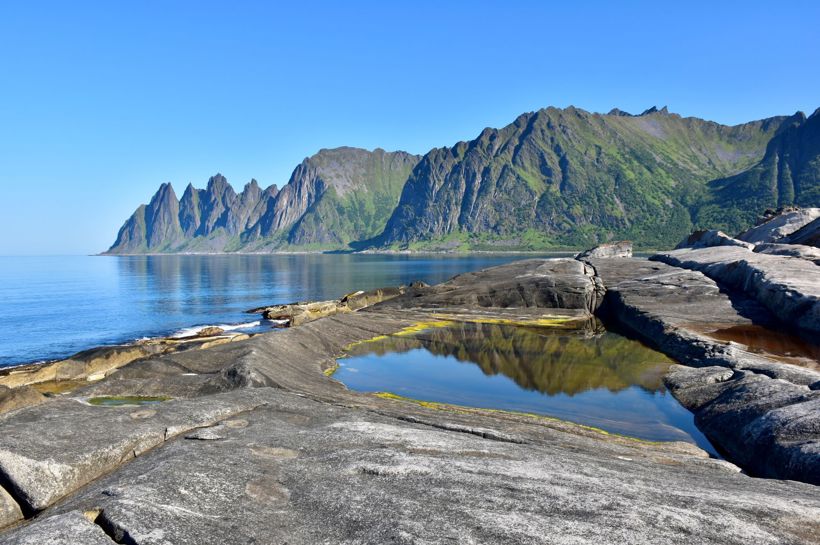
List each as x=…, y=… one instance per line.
x=100, y=102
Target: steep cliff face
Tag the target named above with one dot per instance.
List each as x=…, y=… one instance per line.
x=569, y=177
x=789, y=173
x=152, y=228
x=335, y=197
x=357, y=192
x=203, y=220
x=189, y=212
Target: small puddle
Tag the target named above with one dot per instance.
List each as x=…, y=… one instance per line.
x=779, y=345
x=604, y=380
x=126, y=401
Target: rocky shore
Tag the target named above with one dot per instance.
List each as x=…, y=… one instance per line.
x=252, y=442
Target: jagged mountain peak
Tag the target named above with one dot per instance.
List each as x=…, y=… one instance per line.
x=166, y=190
x=654, y=110
x=552, y=177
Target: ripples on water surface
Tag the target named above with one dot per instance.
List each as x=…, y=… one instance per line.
x=603, y=380
x=51, y=307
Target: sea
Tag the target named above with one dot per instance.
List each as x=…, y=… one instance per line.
x=54, y=306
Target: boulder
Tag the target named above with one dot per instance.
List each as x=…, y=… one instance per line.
x=609, y=249
x=9, y=510
x=808, y=235
x=780, y=225
x=300, y=313
x=210, y=331
x=294, y=314
x=706, y=239
x=362, y=299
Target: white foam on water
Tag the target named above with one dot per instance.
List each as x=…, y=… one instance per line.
x=191, y=331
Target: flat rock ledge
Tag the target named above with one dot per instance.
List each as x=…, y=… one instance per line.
x=255, y=444
x=788, y=287
x=762, y=413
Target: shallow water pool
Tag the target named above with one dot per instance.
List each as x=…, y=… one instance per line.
x=596, y=379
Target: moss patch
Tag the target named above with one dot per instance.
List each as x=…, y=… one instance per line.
x=477, y=410
x=544, y=321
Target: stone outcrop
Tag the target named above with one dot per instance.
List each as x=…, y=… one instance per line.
x=739, y=396
x=809, y=253
x=808, y=235
x=529, y=283
x=362, y=299
x=15, y=398
x=707, y=239
x=293, y=314
x=780, y=225
x=610, y=249
x=46, y=461
x=96, y=363
x=259, y=445
x=769, y=426
x=789, y=288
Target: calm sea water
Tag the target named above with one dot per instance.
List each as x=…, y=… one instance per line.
x=603, y=380
x=52, y=307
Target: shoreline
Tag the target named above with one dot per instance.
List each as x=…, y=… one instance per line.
x=228, y=330
x=567, y=252
x=261, y=424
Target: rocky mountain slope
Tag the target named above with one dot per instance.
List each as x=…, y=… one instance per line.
x=552, y=178
x=789, y=173
x=332, y=198
x=572, y=178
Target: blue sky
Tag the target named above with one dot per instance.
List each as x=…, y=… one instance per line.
x=100, y=102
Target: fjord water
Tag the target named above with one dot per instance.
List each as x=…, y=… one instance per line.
x=599, y=379
x=52, y=307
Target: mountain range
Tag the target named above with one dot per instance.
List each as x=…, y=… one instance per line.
x=555, y=178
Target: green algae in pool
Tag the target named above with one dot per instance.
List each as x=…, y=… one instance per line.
x=602, y=380
x=126, y=401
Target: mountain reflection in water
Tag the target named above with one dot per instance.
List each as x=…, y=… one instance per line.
x=595, y=378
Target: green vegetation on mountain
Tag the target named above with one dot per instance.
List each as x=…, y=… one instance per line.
x=569, y=178
x=555, y=178
x=788, y=173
